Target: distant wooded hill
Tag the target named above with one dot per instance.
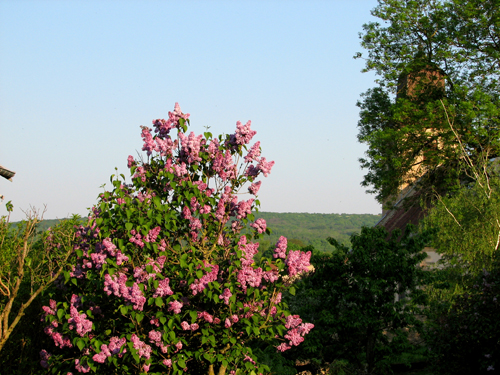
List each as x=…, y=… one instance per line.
x=301, y=229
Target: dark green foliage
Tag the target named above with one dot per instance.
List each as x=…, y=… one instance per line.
x=350, y=298
x=465, y=339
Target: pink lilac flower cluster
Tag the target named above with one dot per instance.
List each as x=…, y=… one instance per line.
x=79, y=322
x=114, y=348
x=81, y=368
x=143, y=349
x=223, y=165
x=249, y=276
x=253, y=153
x=249, y=250
x=136, y=238
x=296, y=332
x=280, y=251
x=163, y=127
x=243, y=133
x=189, y=327
x=265, y=166
x=205, y=316
x=175, y=307
x=244, y=208
x=163, y=288
x=190, y=147
x=225, y=296
x=254, y=188
x=152, y=234
x=260, y=225
x=200, y=284
x=58, y=338
x=116, y=286
x=49, y=310
x=298, y=262
x=155, y=338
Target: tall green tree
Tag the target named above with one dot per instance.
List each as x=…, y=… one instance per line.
x=435, y=60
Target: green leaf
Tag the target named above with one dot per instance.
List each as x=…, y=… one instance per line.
x=292, y=290
x=159, y=301
x=81, y=344
x=129, y=226
x=123, y=310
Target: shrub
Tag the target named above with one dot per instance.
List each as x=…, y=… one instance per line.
x=163, y=280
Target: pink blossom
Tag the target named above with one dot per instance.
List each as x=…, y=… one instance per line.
x=140, y=172
x=292, y=321
x=115, y=345
x=81, y=368
x=244, y=208
x=120, y=258
x=252, y=171
x=254, y=188
x=175, y=307
x=253, y=153
x=260, y=225
x=101, y=357
x=271, y=276
x=283, y=346
x=200, y=284
x=167, y=362
x=194, y=327
x=143, y=349
x=120, y=201
x=79, y=322
x=130, y=161
x=151, y=236
x=264, y=166
x=163, y=127
x=280, y=251
x=180, y=170
x=163, y=288
x=185, y=326
x=109, y=246
x=149, y=143
x=190, y=147
x=243, y=133
x=51, y=309
x=205, y=316
x=226, y=295
x=250, y=276
x=298, y=262
x=227, y=323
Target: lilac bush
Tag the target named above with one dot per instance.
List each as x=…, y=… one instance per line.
x=163, y=279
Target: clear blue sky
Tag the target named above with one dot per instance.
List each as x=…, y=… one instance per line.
x=78, y=78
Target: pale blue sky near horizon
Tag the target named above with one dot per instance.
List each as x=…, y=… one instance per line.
x=78, y=78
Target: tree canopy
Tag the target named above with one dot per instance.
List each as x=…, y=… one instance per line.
x=438, y=68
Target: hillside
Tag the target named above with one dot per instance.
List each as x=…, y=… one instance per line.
x=312, y=229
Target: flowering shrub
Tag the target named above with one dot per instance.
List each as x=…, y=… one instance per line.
x=162, y=279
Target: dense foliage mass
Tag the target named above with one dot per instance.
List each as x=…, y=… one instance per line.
x=438, y=67
x=163, y=281
x=358, y=298
x=465, y=339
